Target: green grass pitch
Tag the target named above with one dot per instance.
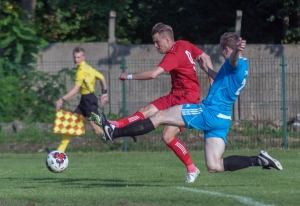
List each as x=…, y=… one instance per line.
x=144, y=179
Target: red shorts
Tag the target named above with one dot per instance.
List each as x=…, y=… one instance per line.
x=170, y=100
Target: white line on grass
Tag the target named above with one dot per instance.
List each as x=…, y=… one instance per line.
x=245, y=200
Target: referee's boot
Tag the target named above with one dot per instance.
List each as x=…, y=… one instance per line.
x=95, y=118
x=48, y=150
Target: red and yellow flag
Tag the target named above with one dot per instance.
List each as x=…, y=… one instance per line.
x=68, y=123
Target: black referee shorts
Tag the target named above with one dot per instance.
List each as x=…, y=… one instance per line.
x=88, y=103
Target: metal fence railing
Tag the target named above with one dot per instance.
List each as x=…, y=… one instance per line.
x=259, y=122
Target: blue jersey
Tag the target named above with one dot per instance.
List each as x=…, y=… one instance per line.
x=214, y=115
x=227, y=86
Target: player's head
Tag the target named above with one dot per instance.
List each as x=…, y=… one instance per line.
x=78, y=55
x=163, y=37
x=227, y=43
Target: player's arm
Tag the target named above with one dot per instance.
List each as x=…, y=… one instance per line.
x=146, y=75
x=71, y=93
x=207, y=66
x=240, y=46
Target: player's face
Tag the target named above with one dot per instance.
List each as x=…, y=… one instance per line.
x=161, y=43
x=224, y=51
x=78, y=58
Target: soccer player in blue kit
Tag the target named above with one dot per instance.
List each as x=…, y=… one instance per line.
x=213, y=116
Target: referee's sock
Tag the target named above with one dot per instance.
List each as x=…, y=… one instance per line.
x=66, y=138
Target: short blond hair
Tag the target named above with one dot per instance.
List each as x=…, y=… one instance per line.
x=79, y=50
x=164, y=29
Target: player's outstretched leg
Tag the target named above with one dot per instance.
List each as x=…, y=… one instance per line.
x=267, y=161
x=108, y=128
x=191, y=177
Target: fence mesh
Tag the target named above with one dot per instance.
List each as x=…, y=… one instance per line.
x=257, y=119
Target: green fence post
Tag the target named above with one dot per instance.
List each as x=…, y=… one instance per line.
x=283, y=102
x=125, y=145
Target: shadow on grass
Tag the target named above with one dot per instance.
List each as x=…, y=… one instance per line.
x=81, y=182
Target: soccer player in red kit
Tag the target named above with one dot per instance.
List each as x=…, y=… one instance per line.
x=179, y=61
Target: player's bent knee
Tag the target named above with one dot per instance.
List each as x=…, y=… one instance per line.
x=213, y=168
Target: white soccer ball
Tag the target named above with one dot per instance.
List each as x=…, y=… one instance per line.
x=57, y=161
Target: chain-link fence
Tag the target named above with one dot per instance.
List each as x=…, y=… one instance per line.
x=258, y=120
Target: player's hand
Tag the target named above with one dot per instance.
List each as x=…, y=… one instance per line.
x=241, y=44
x=59, y=103
x=123, y=76
x=202, y=63
x=104, y=99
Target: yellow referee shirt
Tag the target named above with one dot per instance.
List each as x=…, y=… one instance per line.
x=86, y=78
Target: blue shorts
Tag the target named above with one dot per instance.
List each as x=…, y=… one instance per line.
x=213, y=123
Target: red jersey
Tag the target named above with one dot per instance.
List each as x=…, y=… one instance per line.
x=179, y=62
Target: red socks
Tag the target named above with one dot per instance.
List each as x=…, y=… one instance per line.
x=177, y=146
x=182, y=153
x=128, y=120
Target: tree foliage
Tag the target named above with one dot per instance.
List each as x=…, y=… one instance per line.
x=18, y=42
x=287, y=13
x=202, y=22
x=76, y=20
x=23, y=90
x=199, y=21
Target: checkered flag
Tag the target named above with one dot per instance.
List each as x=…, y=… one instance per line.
x=68, y=123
